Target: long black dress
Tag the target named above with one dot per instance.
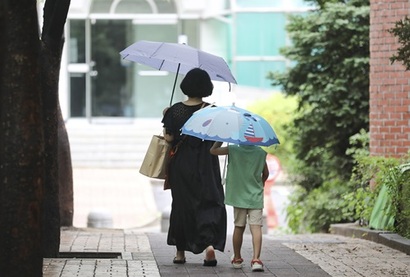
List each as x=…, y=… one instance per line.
x=198, y=214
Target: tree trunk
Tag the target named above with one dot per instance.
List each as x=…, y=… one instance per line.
x=22, y=168
x=51, y=215
x=55, y=14
x=29, y=113
x=65, y=174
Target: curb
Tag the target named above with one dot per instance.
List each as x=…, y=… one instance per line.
x=386, y=238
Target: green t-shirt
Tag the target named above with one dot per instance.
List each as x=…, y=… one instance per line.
x=244, y=186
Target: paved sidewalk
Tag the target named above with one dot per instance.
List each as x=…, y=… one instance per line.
x=136, y=247
x=131, y=253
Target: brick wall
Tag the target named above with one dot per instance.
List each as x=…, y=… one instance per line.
x=389, y=83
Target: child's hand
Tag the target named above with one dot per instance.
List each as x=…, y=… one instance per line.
x=216, y=149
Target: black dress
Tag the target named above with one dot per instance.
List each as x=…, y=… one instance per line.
x=198, y=214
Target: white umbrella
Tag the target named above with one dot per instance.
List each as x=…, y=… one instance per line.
x=178, y=58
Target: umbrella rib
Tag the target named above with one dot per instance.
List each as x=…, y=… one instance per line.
x=156, y=50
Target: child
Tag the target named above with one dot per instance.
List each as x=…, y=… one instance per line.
x=246, y=175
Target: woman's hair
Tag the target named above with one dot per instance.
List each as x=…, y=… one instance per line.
x=197, y=83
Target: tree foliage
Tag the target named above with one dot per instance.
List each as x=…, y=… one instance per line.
x=330, y=52
x=321, y=3
x=401, y=30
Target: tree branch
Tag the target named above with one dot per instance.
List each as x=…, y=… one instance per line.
x=55, y=16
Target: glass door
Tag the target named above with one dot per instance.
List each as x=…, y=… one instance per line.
x=110, y=97
x=78, y=68
x=102, y=84
x=97, y=76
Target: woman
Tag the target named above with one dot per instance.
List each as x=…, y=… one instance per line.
x=198, y=215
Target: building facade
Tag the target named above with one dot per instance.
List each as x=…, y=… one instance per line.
x=95, y=83
x=389, y=83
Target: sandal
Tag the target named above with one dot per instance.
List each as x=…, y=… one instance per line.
x=236, y=263
x=178, y=261
x=210, y=254
x=210, y=263
x=257, y=265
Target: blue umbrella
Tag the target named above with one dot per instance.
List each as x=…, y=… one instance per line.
x=230, y=124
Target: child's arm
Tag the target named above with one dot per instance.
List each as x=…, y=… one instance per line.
x=265, y=173
x=216, y=149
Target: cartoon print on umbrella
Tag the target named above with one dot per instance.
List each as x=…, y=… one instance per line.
x=230, y=124
x=249, y=133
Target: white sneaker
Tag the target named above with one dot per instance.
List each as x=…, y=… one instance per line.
x=257, y=265
x=236, y=263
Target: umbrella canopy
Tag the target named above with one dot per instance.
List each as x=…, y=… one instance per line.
x=178, y=58
x=230, y=124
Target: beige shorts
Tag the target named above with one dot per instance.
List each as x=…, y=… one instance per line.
x=253, y=216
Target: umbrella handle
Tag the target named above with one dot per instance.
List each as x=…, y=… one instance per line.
x=224, y=171
x=175, y=82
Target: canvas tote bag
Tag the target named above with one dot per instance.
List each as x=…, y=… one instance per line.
x=156, y=159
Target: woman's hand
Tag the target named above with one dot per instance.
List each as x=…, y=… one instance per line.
x=167, y=137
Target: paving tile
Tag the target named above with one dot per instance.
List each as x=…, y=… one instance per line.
x=147, y=254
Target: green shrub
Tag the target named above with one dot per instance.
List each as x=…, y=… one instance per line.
x=279, y=111
x=337, y=202
x=358, y=205
x=314, y=211
x=397, y=180
x=403, y=217
x=392, y=172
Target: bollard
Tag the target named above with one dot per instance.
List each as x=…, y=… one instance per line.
x=162, y=197
x=165, y=220
x=99, y=218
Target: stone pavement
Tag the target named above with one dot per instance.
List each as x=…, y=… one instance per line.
x=136, y=247
x=91, y=252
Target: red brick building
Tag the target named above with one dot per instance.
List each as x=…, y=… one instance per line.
x=389, y=83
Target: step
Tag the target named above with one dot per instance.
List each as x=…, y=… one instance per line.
x=112, y=144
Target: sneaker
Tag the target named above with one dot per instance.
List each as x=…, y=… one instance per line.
x=236, y=263
x=257, y=265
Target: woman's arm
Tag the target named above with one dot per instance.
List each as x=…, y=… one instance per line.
x=216, y=149
x=168, y=137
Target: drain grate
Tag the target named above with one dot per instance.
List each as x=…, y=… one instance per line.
x=90, y=255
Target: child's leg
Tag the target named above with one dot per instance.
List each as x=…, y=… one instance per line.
x=255, y=225
x=256, y=231
x=237, y=237
x=237, y=240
